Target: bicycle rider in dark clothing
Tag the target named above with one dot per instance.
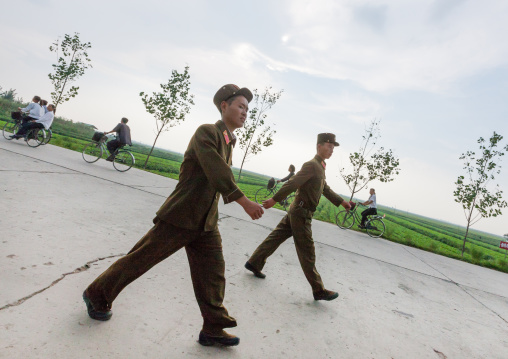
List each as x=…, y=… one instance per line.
x=372, y=210
x=291, y=170
x=123, y=137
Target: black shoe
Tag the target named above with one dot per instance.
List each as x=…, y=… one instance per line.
x=224, y=339
x=96, y=314
x=361, y=226
x=254, y=270
x=110, y=158
x=326, y=295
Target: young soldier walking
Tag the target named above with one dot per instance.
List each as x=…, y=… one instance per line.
x=188, y=219
x=309, y=183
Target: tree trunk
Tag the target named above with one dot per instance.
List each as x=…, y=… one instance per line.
x=241, y=167
x=467, y=228
x=465, y=237
x=147, y=157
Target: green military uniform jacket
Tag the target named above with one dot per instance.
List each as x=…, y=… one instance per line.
x=205, y=174
x=309, y=184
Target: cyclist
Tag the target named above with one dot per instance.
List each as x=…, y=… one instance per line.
x=44, y=121
x=123, y=137
x=372, y=210
x=34, y=110
x=44, y=105
x=291, y=170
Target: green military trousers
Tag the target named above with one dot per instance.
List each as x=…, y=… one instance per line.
x=206, y=261
x=296, y=223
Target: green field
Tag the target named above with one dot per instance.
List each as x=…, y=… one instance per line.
x=402, y=227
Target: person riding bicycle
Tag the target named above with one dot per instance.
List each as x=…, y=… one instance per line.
x=44, y=121
x=372, y=210
x=123, y=137
x=291, y=170
x=34, y=110
x=44, y=105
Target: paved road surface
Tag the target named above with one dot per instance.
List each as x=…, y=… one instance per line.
x=65, y=221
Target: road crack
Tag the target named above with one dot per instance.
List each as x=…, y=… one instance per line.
x=83, y=268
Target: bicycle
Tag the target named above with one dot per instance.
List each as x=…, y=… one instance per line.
x=123, y=159
x=34, y=137
x=374, y=226
x=265, y=193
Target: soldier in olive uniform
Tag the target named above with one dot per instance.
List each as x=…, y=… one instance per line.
x=188, y=218
x=309, y=183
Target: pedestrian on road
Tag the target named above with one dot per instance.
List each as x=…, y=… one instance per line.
x=309, y=184
x=188, y=218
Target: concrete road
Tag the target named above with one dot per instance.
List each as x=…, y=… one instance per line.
x=65, y=221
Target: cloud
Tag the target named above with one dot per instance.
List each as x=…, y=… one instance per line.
x=336, y=40
x=440, y=10
x=358, y=107
x=373, y=16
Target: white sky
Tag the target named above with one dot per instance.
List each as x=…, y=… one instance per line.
x=434, y=72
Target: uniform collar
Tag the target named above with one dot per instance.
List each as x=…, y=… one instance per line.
x=229, y=136
x=321, y=161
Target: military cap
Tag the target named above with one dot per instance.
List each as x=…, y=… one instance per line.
x=228, y=91
x=327, y=138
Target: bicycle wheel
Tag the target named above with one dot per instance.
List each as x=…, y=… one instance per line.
x=344, y=219
x=34, y=137
x=375, y=227
x=92, y=152
x=287, y=202
x=10, y=128
x=262, y=194
x=47, y=136
x=123, y=161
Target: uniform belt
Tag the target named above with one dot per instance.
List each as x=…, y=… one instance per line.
x=303, y=205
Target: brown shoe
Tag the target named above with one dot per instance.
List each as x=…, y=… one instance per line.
x=223, y=338
x=256, y=272
x=325, y=295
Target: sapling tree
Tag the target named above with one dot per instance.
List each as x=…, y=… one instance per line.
x=365, y=167
x=475, y=192
x=72, y=61
x=255, y=135
x=171, y=105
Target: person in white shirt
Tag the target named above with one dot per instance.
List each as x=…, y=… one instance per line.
x=372, y=210
x=44, y=122
x=34, y=110
x=44, y=105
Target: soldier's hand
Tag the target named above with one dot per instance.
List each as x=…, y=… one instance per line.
x=269, y=203
x=253, y=209
x=346, y=205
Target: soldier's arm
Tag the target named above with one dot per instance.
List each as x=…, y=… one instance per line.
x=335, y=198
x=217, y=171
x=295, y=182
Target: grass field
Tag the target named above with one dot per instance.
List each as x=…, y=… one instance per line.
x=402, y=227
